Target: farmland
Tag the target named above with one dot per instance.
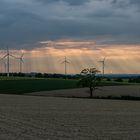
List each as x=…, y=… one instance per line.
x=25, y=85
x=50, y=118
x=21, y=85
x=44, y=114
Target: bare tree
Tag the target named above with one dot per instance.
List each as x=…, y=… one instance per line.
x=89, y=79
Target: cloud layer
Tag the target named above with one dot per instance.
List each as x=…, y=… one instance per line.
x=26, y=22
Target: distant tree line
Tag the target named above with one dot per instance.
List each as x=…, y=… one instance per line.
x=42, y=75
x=129, y=80
x=134, y=80
x=74, y=76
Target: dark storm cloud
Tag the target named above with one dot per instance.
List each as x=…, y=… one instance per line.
x=30, y=21
x=71, y=2
x=137, y=2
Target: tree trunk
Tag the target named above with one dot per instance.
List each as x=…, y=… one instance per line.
x=91, y=92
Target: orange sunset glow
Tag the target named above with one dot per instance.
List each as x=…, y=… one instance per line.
x=80, y=54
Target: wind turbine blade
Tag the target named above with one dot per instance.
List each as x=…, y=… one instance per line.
x=3, y=57
x=100, y=61
x=68, y=59
x=13, y=56
x=63, y=62
x=7, y=49
x=22, y=55
x=67, y=62
x=60, y=60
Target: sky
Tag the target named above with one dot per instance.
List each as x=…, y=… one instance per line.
x=85, y=31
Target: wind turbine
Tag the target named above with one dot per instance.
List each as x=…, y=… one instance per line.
x=103, y=66
x=20, y=62
x=8, y=55
x=65, y=62
x=5, y=65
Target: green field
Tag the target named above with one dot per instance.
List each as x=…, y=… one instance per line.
x=25, y=85
x=18, y=85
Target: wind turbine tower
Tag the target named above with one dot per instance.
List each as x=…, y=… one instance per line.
x=103, y=66
x=8, y=62
x=20, y=62
x=8, y=55
x=65, y=62
x=5, y=65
